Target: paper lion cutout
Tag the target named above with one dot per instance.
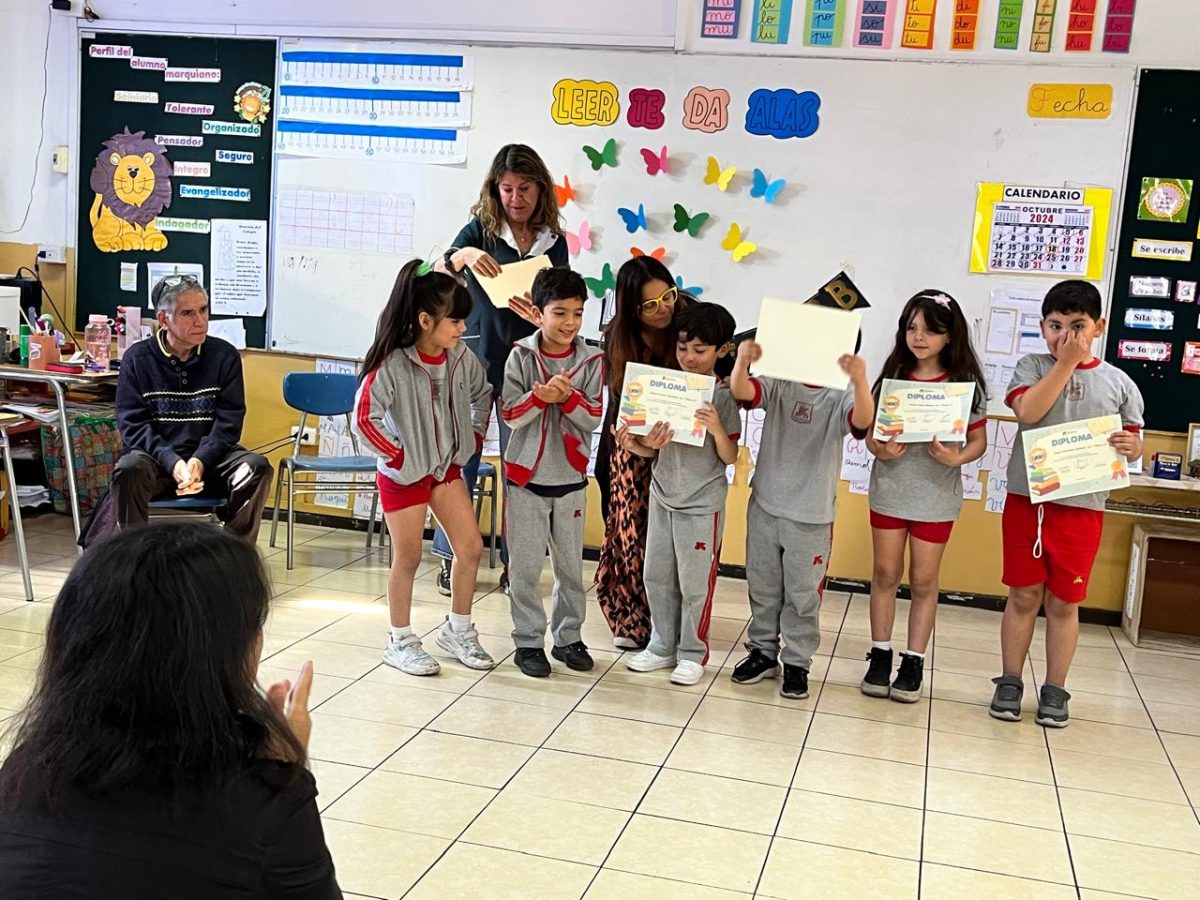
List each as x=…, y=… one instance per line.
x=132, y=181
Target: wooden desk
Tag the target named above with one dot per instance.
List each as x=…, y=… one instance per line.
x=7, y=421
x=58, y=381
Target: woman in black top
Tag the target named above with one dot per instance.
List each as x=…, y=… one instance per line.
x=516, y=217
x=147, y=763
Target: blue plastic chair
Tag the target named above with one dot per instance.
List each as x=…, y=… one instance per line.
x=321, y=394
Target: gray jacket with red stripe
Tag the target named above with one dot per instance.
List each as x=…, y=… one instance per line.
x=535, y=423
x=395, y=414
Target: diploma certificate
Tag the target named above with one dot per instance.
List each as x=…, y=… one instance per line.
x=1068, y=460
x=653, y=395
x=916, y=412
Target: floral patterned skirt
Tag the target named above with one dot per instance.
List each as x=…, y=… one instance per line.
x=619, y=586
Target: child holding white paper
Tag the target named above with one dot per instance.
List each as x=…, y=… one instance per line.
x=1049, y=550
x=687, y=506
x=789, y=528
x=916, y=489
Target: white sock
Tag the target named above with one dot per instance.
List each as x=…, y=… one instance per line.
x=459, y=622
x=400, y=632
x=881, y=645
x=914, y=653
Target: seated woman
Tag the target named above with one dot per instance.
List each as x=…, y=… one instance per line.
x=147, y=763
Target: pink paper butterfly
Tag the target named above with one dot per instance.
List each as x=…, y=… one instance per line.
x=582, y=240
x=655, y=162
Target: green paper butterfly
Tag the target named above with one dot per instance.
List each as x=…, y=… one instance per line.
x=601, y=158
x=690, y=224
x=602, y=285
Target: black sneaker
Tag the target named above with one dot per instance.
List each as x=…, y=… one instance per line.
x=532, y=661
x=443, y=578
x=504, y=582
x=1006, y=699
x=755, y=667
x=575, y=655
x=877, y=681
x=907, y=686
x=1052, y=707
x=795, y=683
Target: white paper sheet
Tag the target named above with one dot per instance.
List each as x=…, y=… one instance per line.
x=514, y=280
x=232, y=330
x=129, y=276
x=803, y=342
x=239, y=267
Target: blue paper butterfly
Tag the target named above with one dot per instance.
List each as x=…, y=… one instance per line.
x=633, y=220
x=768, y=190
x=694, y=291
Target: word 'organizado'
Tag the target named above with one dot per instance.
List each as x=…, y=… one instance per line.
x=779, y=112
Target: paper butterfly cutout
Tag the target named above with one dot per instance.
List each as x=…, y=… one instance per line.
x=602, y=285
x=690, y=224
x=768, y=190
x=581, y=240
x=714, y=174
x=655, y=162
x=735, y=245
x=564, y=192
x=657, y=253
x=601, y=158
x=694, y=291
x=633, y=220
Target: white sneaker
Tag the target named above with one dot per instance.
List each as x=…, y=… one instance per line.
x=649, y=662
x=624, y=643
x=464, y=646
x=687, y=672
x=409, y=657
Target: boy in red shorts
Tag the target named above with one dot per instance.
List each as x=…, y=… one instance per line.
x=1049, y=551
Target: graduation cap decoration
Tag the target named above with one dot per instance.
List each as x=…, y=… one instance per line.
x=840, y=293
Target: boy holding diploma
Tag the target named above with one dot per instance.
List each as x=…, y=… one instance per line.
x=687, y=506
x=789, y=529
x=1049, y=551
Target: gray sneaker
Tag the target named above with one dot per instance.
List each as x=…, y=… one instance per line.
x=464, y=646
x=1052, y=707
x=409, y=657
x=1006, y=701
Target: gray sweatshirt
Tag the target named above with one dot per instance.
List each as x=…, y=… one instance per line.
x=400, y=411
x=550, y=443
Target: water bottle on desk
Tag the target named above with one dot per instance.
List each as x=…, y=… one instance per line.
x=97, y=339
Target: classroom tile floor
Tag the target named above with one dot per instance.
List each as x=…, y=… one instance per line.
x=616, y=785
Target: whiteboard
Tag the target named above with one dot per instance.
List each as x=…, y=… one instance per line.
x=884, y=188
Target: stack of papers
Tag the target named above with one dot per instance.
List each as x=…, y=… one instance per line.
x=32, y=495
x=40, y=413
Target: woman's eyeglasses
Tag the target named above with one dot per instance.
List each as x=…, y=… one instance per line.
x=176, y=280
x=667, y=298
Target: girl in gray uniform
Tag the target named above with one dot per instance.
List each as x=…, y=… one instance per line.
x=422, y=407
x=916, y=490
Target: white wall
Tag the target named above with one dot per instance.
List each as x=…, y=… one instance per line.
x=23, y=33
x=1164, y=35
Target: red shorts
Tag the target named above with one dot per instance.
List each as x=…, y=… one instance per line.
x=1070, y=540
x=395, y=497
x=933, y=532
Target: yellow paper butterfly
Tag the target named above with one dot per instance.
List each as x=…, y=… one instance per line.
x=733, y=242
x=718, y=176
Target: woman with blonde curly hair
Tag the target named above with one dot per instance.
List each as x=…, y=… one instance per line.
x=516, y=217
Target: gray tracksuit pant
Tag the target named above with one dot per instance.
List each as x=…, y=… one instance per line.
x=785, y=573
x=682, y=553
x=533, y=523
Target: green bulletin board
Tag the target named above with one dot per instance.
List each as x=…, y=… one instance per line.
x=207, y=100
x=1154, y=311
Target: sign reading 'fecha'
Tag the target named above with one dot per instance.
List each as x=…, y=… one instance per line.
x=1070, y=101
